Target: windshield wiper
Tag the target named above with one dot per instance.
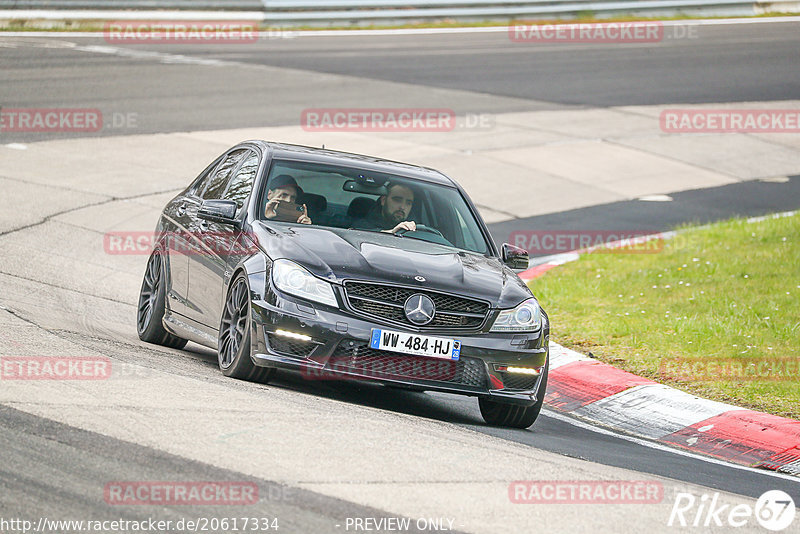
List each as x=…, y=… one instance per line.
x=376, y=231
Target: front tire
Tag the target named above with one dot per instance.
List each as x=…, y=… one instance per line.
x=151, y=306
x=511, y=415
x=233, y=349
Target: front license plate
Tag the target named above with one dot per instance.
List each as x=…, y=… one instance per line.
x=433, y=347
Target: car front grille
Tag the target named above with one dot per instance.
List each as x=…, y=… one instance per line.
x=357, y=357
x=386, y=302
x=290, y=347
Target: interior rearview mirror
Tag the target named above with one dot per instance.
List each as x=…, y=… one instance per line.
x=364, y=187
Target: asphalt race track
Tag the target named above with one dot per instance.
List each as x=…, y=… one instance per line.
x=319, y=452
x=751, y=63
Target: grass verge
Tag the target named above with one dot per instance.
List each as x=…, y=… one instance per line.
x=715, y=312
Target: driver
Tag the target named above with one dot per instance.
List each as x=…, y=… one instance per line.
x=284, y=189
x=391, y=211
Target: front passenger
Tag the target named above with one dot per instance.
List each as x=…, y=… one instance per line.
x=284, y=189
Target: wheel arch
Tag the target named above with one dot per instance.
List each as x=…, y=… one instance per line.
x=255, y=270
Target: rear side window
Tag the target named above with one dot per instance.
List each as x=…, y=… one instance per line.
x=219, y=178
x=241, y=184
x=201, y=181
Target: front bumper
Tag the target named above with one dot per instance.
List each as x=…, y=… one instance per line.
x=337, y=347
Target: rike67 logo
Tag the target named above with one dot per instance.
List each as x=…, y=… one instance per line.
x=774, y=510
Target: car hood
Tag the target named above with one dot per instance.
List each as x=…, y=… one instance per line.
x=339, y=255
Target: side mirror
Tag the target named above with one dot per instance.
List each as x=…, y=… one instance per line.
x=221, y=211
x=514, y=257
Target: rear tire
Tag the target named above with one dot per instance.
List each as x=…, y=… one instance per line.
x=233, y=349
x=512, y=415
x=150, y=312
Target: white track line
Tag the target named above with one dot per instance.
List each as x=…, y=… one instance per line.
x=658, y=446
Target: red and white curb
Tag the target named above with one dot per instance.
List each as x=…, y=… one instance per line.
x=602, y=394
x=598, y=392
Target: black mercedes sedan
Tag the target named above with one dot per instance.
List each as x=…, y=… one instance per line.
x=344, y=266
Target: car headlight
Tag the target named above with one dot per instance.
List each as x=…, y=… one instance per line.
x=526, y=317
x=296, y=280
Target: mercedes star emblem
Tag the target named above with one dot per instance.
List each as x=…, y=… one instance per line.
x=419, y=309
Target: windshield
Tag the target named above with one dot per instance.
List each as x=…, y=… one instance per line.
x=356, y=199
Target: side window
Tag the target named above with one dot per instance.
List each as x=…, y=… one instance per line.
x=219, y=179
x=242, y=183
x=201, y=181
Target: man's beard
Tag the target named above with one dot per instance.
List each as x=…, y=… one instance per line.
x=396, y=217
